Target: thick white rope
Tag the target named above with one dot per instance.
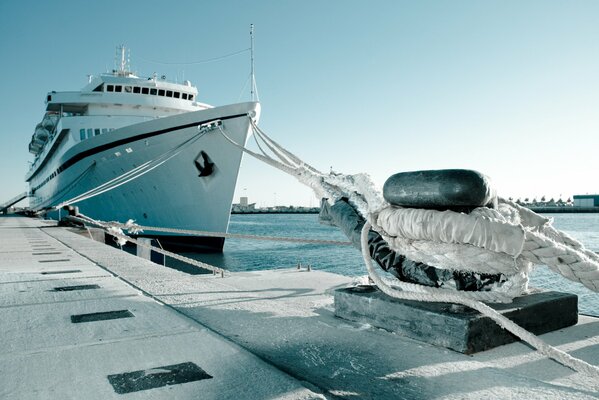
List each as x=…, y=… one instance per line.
x=360, y=190
x=525, y=236
x=295, y=159
x=523, y=228
x=484, y=244
x=516, y=263
x=443, y=295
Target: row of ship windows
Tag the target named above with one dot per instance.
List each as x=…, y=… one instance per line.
x=83, y=134
x=48, y=179
x=151, y=91
x=89, y=132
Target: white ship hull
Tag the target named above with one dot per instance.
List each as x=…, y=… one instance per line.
x=173, y=195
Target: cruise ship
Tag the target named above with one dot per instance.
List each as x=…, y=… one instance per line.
x=126, y=147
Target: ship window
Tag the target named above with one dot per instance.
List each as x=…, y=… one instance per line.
x=128, y=89
x=90, y=133
x=184, y=96
x=169, y=93
x=153, y=91
x=190, y=97
x=96, y=131
x=177, y=95
x=100, y=88
x=110, y=88
x=82, y=134
x=136, y=89
x=161, y=92
x=118, y=88
x=104, y=130
x=145, y=90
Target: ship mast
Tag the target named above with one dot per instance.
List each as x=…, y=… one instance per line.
x=252, y=77
x=123, y=63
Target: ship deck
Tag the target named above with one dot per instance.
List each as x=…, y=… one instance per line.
x=81, y=319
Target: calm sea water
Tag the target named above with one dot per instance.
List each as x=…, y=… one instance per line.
x=247, y=255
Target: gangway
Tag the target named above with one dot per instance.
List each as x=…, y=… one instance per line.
x=14, y=200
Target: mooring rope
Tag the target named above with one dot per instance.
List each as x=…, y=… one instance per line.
x=540, y=244
x=116, y=229
x=457, y=297
x=535, y=241
x=122, y=239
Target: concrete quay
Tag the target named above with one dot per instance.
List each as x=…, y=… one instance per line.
x=71, y=329
x=253, y=335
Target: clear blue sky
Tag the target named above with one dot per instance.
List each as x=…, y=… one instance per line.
x=509, y=88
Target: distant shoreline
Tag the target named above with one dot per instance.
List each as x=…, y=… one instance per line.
x=565, y=210
x=259, y=211
x=543, y=210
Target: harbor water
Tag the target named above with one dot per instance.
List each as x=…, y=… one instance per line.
x=248, y=255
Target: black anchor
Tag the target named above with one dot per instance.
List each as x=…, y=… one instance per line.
x=208, y=167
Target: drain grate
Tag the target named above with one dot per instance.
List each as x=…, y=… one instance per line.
x=67, y=271
x=46, y=254
x=157, y=377
x=47, y=261
x=101, y=316
x=75, y=287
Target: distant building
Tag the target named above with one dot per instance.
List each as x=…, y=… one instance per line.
x=586, y=200
x=243, y=206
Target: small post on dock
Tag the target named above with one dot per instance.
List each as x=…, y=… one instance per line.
x=144, y=249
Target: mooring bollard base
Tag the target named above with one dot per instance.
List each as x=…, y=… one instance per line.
x=456, y=327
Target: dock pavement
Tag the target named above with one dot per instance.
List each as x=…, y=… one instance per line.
x=80, y=319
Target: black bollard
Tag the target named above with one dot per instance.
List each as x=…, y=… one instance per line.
x=446, y=189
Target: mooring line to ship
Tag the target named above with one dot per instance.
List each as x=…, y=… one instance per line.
x=541, y=244
x=115, y=229
x=117, y=233
x=446, y=296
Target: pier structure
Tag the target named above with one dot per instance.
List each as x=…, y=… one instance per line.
x=71, y=328
x=81, y=319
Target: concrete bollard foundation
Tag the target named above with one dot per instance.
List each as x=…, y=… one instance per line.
x=452, y=326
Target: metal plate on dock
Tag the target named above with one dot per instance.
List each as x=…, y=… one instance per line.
x=75, y=287
x=65, y=271
x=157, y=377
x=101, y=316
